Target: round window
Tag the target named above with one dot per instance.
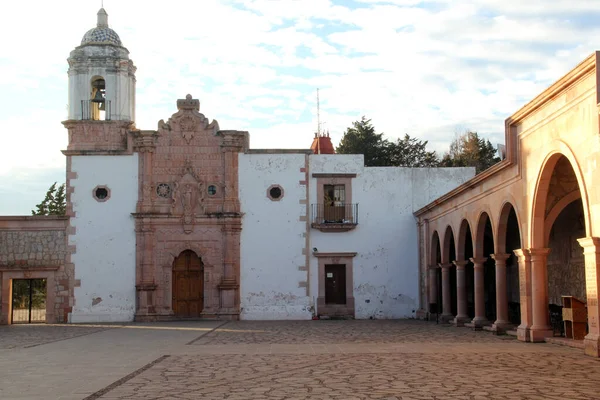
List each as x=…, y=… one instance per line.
x=163, y=190
x=101, y=193
x=275, y=192
x=212, y=190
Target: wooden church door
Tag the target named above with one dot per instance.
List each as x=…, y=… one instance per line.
x=188, y=285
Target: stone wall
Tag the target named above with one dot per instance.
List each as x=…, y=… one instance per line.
x=33, y=247
x=566, y=264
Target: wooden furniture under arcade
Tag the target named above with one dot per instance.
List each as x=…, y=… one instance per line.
x=575, y=317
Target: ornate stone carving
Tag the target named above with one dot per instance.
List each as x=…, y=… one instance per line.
x=188, y=197
x=163, y=190
x=188, y=120
x=187, y=125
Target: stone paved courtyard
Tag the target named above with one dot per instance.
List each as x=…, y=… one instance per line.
x=286, y=360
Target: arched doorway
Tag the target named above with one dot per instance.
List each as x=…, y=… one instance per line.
x=449, y=255
x=464, y=254
x=485, y=272
x=435, y=276
x=509, y=240
x=188, y=285
x=557, y=259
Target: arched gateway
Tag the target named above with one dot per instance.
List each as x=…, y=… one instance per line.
x=188, y=285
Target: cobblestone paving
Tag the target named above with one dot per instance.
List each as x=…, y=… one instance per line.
x=392, y=376
x=435, y=363
x=349, y=331
x=24, y=336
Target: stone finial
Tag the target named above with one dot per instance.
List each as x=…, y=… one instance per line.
x=188, y=103
x=102, y=18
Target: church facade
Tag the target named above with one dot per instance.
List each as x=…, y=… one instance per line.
x=188, y=221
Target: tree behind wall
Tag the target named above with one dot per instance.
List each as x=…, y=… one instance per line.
x=54, y=202
x=469, y=150
x=361, y=138
x=379, y=152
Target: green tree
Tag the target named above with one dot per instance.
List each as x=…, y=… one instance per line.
x=54, y=202
x=469, y=150
x=361, y=138
x=411, y=152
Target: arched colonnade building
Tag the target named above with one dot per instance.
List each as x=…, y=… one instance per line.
x=503, y=248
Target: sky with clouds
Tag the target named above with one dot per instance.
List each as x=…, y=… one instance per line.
x=429, y=68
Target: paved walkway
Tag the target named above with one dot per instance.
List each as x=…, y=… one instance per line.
x=286, y=360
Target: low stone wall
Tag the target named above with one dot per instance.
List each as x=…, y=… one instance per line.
x=33, y=247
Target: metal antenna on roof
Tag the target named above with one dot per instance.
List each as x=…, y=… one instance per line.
x=318, y=124
x=318, y=114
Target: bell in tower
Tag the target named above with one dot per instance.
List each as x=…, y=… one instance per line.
x=101, y=77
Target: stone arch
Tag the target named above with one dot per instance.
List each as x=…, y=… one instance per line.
x=173, y=251
x=449, y=246
x=463, y=231
x=478, y=250
x=537, y=236
x=556, y=210
x=500, y=236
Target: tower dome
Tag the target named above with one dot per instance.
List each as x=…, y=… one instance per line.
x=101, y=77
x=101, y=34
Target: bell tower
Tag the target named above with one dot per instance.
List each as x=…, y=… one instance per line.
x=102, y=178
x=101, y=77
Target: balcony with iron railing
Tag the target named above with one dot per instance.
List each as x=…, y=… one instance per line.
x=334, y=217
x=92, y=110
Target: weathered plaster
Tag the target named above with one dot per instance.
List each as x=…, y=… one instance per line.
x=273, y=253
x=104, y=241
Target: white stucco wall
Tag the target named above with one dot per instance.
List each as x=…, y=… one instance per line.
x=385, y=268
x=104, y=239
x=273, y=238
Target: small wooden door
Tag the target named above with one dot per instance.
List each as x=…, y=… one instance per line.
x=335, y=284
x=188, y=285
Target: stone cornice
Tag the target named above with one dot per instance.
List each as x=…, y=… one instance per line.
x=21, y=268
x=96, y=152
x=278, y=151
x=338, y=254
x=471, y=183
x=333, y=175
x=34, y=222
x=551, y=92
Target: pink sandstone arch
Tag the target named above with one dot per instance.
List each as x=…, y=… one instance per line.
x=500, y=237
x=462, y=239
x=448, y=238
x=538, y=237
x=479, y=234
x=556, y=210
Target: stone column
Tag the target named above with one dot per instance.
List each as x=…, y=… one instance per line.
x=540, y=327
x=591, y=252
x=524, y=294
x=480, y=319
x=502, y=321
x=461, y=294
x=447, y=307
x=433, y=288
